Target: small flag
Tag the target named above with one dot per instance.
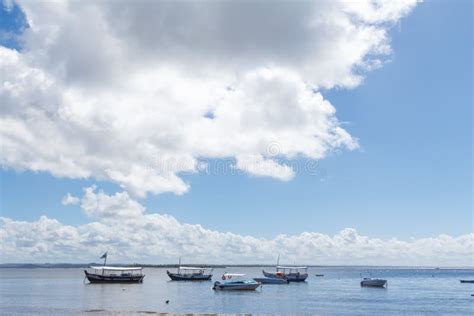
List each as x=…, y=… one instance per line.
x=104, y=256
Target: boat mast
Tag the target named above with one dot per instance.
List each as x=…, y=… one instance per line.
x=179, y=265
x=105, y=260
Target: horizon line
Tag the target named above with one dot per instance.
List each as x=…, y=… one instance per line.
x=219, y=265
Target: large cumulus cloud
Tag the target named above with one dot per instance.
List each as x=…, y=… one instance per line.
x=122, y=226
x=138, y=92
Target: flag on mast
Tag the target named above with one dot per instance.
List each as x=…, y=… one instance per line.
x=104, y=256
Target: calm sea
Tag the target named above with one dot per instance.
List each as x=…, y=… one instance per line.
x=409, y=292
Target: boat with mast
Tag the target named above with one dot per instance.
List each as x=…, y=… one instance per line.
x=184, y=273
x=290, y=273
x=108, y=274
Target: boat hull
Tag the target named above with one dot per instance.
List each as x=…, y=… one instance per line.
x=291, y=277
x=98, y=278
x=271, y=281
x=235, y=286
x=189, y=277
x=466, y=281
x=373, y=283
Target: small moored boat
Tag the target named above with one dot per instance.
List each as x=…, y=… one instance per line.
x=237, y=284
x=107, y=274
x=190, y=273
x=272, y=280
x=290, y=273
x=373, y=282
x=370, y=282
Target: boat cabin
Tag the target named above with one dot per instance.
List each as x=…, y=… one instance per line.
x=291, y=270
x=192, y=270
x=117, y=271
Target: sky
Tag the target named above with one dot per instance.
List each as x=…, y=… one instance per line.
x=331, y=132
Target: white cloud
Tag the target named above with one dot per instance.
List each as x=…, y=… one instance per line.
x=130, y=234
x=137, y=93
x=379, y=11
x=70, y=200
x=257, y=165
x=107, y=207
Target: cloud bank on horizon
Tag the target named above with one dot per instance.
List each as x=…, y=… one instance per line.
x=138, y=92
x=122, y=226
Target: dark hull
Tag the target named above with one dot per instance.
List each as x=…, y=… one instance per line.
x=236, y=286
x=373, y=283
x=271, y=281
x=291, y=277
x=98, y=278
x=466, y=281
x=189, y=277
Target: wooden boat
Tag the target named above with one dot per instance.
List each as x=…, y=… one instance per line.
x=235, y=285
x=466, y=281
x=290, y=273
x=271, y=280
x=104, y=274
x=190, y=274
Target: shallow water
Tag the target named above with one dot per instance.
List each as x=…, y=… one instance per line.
x=410, y=291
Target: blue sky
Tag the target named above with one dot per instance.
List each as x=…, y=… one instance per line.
x=410, y=177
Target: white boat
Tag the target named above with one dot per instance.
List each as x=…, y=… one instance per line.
x=234, y=282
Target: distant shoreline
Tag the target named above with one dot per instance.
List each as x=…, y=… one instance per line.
x=87, y=265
